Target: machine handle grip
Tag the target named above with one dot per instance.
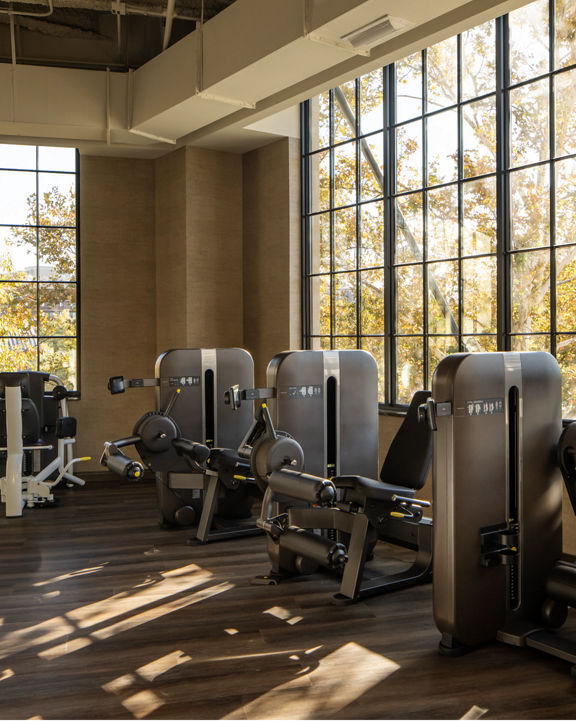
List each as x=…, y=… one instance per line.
x=196, y=452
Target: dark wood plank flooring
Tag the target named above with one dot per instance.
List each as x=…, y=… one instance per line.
x=105, y=615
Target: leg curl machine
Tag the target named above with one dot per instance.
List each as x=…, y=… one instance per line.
x=36, y=439
x=498, y=453
x=326, y=400
x=190, y=389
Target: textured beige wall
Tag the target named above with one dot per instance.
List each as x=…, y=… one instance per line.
x=214, y=248
x=171, y=241
x=117, y=296
x=272, y=252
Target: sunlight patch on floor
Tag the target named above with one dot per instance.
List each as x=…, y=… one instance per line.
x=127, y=601
x=161, y=665
x=69, y=646
x=156, y=612
x=142, y=703
x=475, y=712
x=37, y=635
x=338, y=680
x=119, y=684
x=231, y=631
x=72, y=574
x=283, y=614
x=7, y=673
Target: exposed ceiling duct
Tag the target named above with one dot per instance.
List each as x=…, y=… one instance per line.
x=217, y=85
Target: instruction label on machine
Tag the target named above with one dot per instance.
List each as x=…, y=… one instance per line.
x=314, y=391
x=184, y=381
x=485, y=407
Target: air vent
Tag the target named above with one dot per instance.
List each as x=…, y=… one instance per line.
x=374, y=32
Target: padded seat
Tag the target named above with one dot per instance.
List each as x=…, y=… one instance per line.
x=359, y=489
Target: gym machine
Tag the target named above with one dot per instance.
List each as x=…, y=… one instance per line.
x=36, y=439
x=190, y=386
x=498, y=571
x=327, y=401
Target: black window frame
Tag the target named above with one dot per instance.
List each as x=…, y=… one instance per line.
x=37, y=227
x=503, y=170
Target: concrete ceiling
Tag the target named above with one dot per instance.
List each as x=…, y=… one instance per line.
x=102, y=76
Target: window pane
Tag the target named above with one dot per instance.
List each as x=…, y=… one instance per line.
x=58, y=356
x=529, y=124
x=565, y=23
x=531, y=342
x=442, y=132
x=409, y=299
x=566, y=289
x=479, y=137
x=531, y=292
x=18, y=198
x=320, y=343
x=345, y=239
x=344, y=111
x=18, y=312
x=57, y=254
x=530, y=207
x=63, y=159
x=345, y=304
x=409, y=87
x=372, y=288
x=479, y=60
x=345, y=174
x=372, y=234
x=376, y=347
x=320, y=305
x=480, y=343
x=565, y=205
x=18, y=354
x=320, y=121
x=409, y=368
x=320, y=243
x=57, y=199
x=409, y=156
x=443, y=222
x=438, y=348
x=57, y=309
x=479, y=295
x=442, y=72
x=345, y=343
x=371, y=102
x=22, y=157
x=529, y=44
x=566, y=356
x=371, y=162
x=17, y=253
x=409, y=228
x=479, y=217
x=443, y=297
x=565, y=98
x=320, y=181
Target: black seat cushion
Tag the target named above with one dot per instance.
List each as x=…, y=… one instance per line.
x=410, y=454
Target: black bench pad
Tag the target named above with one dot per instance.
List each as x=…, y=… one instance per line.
x=360, y=488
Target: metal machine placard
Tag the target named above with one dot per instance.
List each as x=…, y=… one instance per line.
x=307, y=391
x=485, y=407
x=184, y=380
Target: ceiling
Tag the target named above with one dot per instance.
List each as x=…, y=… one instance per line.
x=95, y=34
x=142, y=77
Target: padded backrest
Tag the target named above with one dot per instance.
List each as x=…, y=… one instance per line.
x=410, y=454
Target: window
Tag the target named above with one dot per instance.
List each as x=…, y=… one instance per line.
x=38, y=260
x=438, y=202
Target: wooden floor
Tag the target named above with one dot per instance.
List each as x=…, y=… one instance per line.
x=104, y=615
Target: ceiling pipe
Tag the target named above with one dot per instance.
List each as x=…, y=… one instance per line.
x=125, y=8
x=22, y=13
x=170, y=7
